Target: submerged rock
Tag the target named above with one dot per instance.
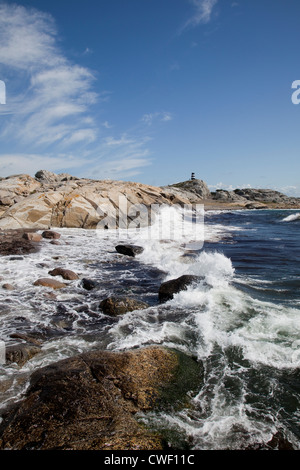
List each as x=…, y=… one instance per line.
x=129, y=250
x=169, y=288
x=90, y=402
x=119, y=305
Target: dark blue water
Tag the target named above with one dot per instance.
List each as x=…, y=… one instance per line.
x=265, y=248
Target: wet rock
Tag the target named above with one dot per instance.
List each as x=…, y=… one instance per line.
x=89, y=284
x=169, y=288
x=27, y=338
x=50, y=234
x=89, y=402
x=32, y=236
x=13, y=243
x=20, y=353
x=119, y=305
x=129, y=250
x=8, y=286
x=49, y=283
x=278, y=442
x=67, y=274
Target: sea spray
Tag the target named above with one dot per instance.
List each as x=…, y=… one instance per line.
x=292, y=217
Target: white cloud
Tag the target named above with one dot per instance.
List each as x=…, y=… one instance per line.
x=202, y=13
x=121, y=168
x=11, y=164
x=49, y=108
x=54, y=94
x=228, y=187
x=27, y=38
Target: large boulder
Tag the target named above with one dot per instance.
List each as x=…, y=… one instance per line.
x=34, y=211
x=169, y=288
x=90, y=401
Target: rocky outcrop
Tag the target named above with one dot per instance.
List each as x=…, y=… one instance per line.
x=51, y=200
x=90, y=401
x=250, y=198
x=14, y=189
x=196, y=191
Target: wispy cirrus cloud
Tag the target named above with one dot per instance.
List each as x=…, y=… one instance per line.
x=54, y=94
x=49, y=110
x=202, y=13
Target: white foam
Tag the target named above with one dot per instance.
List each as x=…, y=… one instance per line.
x=292, y=217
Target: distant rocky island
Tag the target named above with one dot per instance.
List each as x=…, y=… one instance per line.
x=61, y=200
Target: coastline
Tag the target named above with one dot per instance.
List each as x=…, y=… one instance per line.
x=31, y=259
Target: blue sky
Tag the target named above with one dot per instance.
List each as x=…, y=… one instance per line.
x=151, y=90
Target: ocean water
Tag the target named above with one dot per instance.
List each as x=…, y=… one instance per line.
x=241, y=322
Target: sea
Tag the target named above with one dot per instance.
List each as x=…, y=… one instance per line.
x=240, y=322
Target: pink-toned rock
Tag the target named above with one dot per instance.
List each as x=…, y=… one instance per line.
x=32, y=236
x=49, y=283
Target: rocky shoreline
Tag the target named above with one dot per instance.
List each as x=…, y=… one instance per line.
x=91, y=401
x=50, y=200
x=95, y=400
